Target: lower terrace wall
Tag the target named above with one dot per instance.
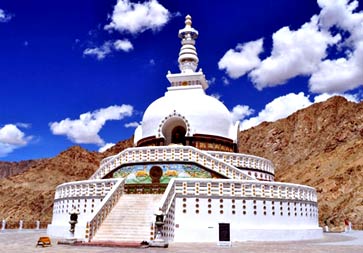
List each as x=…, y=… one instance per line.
x=197, y=219
x=85, y=197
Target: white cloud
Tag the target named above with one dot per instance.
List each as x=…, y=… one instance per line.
x=325, y=96
x=284, y=106
x=99, y=52
x=124, y=45
x=211, y=81
x=85, y=129
x=216, y=96
x=132, y=124
x=138, y=17
x=278, y=108
x=11, y=134
x=239, y=112
x=328, y=49
x=23, y=125
x=105, y=147
x=294, y=53
x=240, y=61
x=11, y=138
x=5, y=17
x=344, y=73
x=225, y=80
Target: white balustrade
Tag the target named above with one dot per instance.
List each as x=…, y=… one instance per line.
x=86, y=188
x=245, y=161
x=234, y=188
x=173, y=153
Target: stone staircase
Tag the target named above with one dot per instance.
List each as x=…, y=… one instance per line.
x=130, y=219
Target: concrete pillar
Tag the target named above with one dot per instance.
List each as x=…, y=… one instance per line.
x=20, y=224
x=37, y=225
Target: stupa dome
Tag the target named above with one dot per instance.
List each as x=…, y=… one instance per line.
x=190, y=108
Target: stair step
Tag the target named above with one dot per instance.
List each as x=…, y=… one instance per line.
x=130, y=219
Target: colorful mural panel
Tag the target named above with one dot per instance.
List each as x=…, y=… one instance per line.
x=140, y=174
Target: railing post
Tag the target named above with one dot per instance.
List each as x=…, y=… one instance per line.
x=3, y=225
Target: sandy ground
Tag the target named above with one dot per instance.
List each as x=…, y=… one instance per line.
x=24, y=241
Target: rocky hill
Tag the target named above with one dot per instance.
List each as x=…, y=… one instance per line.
x=320, y=146
x=8, y=169
x=29, y=195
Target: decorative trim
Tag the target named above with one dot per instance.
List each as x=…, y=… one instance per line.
x=174, y=114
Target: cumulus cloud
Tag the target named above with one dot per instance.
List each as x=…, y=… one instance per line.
x=328, y=49
x=130, y=18
x=241, y=60
x=344, y=73
x=239, y=112
x=278, y=108
x=325, y=96
x=284, y=106
x=5, y=17
x=138, y=17
x=339, y=75
x=294, y=53
x=105, y=147
x=123, y=45
x=11, y=138
x=131, y=124
x=85, y=129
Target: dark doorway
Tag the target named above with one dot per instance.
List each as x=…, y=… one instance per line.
x=155, y=173
x=224, y=232
x=178, y=135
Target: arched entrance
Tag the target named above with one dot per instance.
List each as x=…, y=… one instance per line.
x=155, y=173
x=174, y=131
x=178, y=135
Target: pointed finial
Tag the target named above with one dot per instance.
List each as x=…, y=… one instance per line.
x=188, y=20
x=188, y=58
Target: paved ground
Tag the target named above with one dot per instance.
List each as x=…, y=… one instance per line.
x=24, y=242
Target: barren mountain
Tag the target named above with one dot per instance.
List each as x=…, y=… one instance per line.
x=29, y=195
x=320, y=146
x=8, y=169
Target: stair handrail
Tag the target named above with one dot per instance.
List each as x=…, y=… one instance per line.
x=115, y=161
x=168, y=197
x=104, y=209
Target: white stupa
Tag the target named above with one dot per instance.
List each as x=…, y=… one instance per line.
x=185, y=164
x=185, y=104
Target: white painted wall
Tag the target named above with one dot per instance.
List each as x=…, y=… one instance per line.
x=204, y=227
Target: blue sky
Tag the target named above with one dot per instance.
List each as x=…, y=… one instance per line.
x=82, y=72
